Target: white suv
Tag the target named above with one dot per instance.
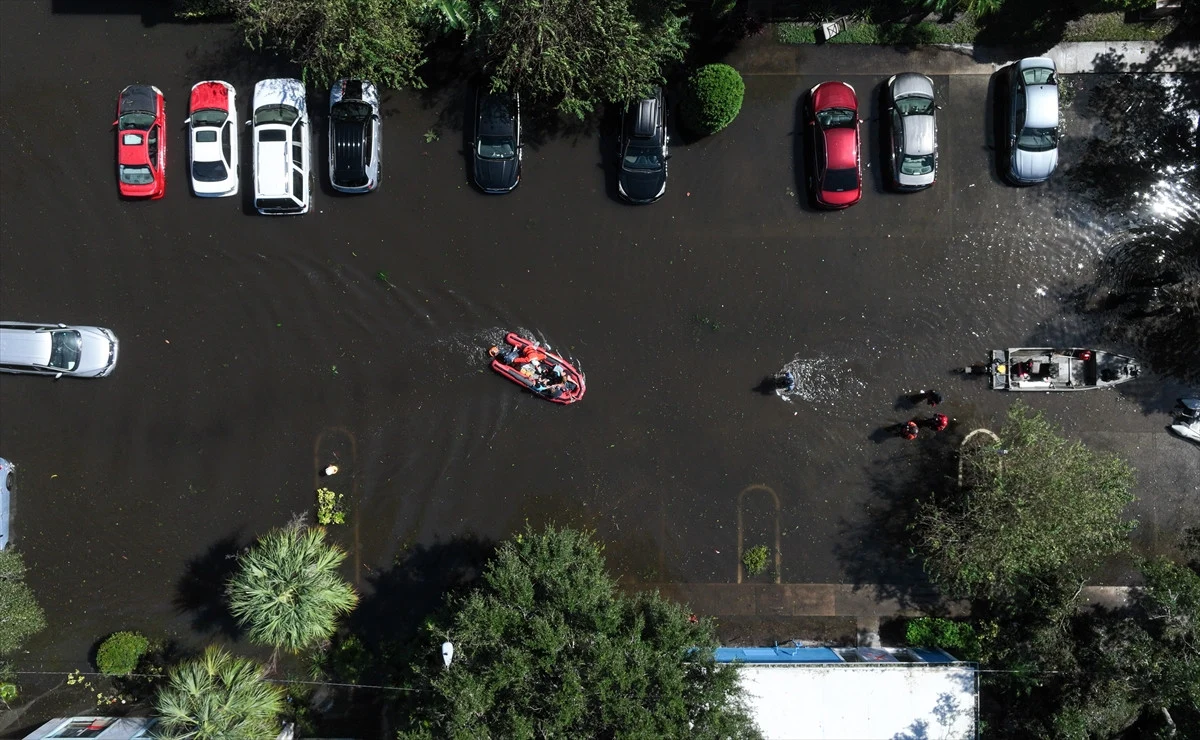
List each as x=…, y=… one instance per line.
x=282, y=148
x=57, y=349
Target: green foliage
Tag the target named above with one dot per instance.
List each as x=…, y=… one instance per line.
x=1034, y=505
x=1112, y=27
x=960, y=638
x=218, y=697
x=795, y=33
x=287, y=589
x=712, y=98
x=755, y=559
x=120, y=652
x=379, y=40
x=331, y=508
x=20, y=614
x=548, y=647
x=576, y=54
x=946, y=8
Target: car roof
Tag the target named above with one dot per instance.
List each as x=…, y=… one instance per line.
x=25, y=346
x=911, y=83
x=273, y=175
x=840, y=146
x=1041, y=106
x=918, y=135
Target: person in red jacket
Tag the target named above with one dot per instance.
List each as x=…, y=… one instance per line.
x=909, y=429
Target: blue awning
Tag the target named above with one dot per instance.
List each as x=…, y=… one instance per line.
x=777, y=655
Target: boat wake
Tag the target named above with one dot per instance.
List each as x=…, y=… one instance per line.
x=821, y=381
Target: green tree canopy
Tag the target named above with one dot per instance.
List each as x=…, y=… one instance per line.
x=20, y=615
x=287, y=590
x=218, y=697
x=378, y=40
x=547, y=647
x=573, y=54
x=1034, y=505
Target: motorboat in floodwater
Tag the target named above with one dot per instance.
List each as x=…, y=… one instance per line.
x=1049, y=369
x=537, y=369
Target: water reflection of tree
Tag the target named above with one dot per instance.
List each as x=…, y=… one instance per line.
x=1143, y=165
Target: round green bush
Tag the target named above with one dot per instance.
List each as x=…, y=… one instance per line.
x=712, y=98
x=120, y=652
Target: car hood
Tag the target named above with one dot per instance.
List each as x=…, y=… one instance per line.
x=496, y=175
x=98, y=355
x=138, y=98
x=834, y=95
x=212, y=94
x=1033, y=166
x=280, y=91
x=642, y=185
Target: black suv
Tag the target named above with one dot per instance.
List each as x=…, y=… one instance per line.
x=643, y=174
x=497, y=149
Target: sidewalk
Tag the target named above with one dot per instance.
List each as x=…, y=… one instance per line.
x=762, y=55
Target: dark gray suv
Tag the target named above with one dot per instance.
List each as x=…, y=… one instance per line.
x=643, y=146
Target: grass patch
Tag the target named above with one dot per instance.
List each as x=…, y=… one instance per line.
x=964, y=29
x=1112, y=27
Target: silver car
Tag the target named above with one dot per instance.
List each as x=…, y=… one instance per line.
x=355, y=136
x=1033, y=121
x=57, y=349
x=913, y=114
x=5, y=495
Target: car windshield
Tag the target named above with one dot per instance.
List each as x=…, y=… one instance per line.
x=497, y=147
x=284, y=114
x=1038, y=76
x=912, y=165
x=135, y=175
x=136, y=121
x=209, y=171
x=1038, y=139
x=835, y=117
x=208, y=117
x=64, y=349
x=643, y=158
x=839, y=181
x=914, y=106
x=350, y=110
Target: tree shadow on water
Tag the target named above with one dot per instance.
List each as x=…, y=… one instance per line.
x=201, y=590
x=875, y=549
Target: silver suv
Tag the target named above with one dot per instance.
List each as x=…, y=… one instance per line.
x=57, y=349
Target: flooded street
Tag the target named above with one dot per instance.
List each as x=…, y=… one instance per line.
x=255, y=351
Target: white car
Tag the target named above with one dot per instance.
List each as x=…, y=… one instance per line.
x=57, y=349
x=1033, y=121
x=213, y=139
x=5, y=494
x=282, y=148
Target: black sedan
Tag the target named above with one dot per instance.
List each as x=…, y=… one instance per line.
x=643, y=173
x=497, y=148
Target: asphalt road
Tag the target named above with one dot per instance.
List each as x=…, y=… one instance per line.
x=255, y=351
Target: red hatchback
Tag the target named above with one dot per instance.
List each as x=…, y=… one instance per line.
x=833, y=119
x=141, y=142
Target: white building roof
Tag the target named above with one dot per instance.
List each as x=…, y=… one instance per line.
x=862, y=701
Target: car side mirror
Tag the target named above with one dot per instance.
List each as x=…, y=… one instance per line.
x=248, y=122
x=114, y=123
x=938, y=107
x=57, y=376
x=62, y=325
x=187, y=120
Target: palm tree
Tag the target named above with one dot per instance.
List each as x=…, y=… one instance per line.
x=287, y=590
x=217, y=697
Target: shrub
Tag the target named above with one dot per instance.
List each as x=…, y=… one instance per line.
x=120, y=652
x=959, y=637
x=712, y=99
x=755, y=559
x=330, y=507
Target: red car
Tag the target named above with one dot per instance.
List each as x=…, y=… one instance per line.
x=833, y=120
x=141, y=142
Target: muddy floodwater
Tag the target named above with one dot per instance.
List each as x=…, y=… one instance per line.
x=256, y=351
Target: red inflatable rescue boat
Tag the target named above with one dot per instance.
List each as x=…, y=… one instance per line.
x=537, y=368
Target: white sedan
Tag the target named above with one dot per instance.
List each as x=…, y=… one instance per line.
x=213, y=140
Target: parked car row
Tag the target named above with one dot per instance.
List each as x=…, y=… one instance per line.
x=911, y=113
x=283, y=154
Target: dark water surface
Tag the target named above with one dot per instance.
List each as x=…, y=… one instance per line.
x=255, y=351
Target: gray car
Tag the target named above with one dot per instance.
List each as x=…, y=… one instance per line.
x=1032, y=121
x=912, y=112
x=355, y=136
x=57, y=349
x=5, y=495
